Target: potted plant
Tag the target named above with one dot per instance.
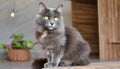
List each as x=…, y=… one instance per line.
x=18, y=49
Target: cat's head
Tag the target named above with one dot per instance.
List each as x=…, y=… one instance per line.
x=50, y=18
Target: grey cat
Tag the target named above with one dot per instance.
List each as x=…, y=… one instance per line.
x=63, y=44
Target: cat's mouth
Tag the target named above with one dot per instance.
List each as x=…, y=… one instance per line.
x=50, y=28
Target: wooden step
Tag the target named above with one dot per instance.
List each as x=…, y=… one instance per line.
x=73, y=67
x=94, y=65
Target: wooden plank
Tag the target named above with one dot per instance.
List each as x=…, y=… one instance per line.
x=118, y=21
x=109, y=29
x=114, y=27
x=103, y=20
x=110, y=6
x=84, y=17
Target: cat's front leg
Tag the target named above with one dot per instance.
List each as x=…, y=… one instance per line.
x=53, y=59
x=57, y=58
x=49, y=58
x=54, y=63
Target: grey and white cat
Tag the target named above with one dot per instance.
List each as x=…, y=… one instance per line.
x=63, y=44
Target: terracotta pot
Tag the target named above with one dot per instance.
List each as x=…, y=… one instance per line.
x=18, y=55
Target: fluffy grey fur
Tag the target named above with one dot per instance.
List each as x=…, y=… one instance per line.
x=64, y=45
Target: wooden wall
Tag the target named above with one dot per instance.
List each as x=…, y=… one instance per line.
x=84, y=17
x=109, y=29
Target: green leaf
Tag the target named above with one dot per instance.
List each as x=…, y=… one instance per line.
x=3, y=43
x=17, y=36
x=24, y=43
x=20, y=35
x=16, y=44
x=28, y=44
x=13, y=36
x=30, y=41
x=1, y=46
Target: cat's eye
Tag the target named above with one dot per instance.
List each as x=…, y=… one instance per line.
x=56, y=18
x=46, y=17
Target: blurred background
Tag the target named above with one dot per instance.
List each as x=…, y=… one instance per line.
x=97, y=21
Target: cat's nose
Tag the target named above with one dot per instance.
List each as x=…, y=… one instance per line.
x=51, y=23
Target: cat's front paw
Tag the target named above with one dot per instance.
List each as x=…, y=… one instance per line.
x=65, y=63
x=48, y=65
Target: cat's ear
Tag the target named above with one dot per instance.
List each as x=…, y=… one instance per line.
x=59, y=8
x=42, y=7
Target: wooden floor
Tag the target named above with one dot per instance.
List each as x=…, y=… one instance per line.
x=5, y=64
x=95, y=65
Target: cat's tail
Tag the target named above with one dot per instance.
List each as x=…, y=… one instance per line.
x=39, y=63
